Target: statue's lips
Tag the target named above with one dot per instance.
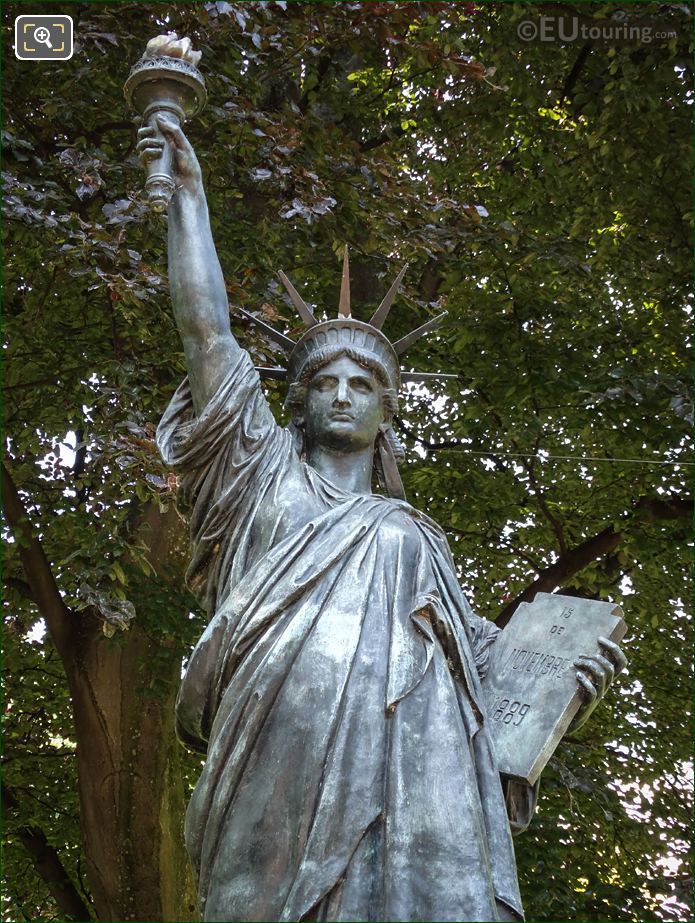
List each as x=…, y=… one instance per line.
x=342, y=417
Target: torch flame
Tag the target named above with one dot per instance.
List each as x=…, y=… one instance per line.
x=171, y=46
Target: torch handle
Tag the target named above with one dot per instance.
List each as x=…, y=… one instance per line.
x=160, y=185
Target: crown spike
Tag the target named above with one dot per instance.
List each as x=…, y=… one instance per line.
x=344, y=305
x=382, y=311
x=302, y=307
x=274, y=373
x=285, y=342
x=426, y=376
x=400, y=346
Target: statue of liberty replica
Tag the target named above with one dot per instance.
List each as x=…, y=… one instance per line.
x=337, y=689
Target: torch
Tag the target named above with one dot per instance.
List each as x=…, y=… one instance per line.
x=165, y=81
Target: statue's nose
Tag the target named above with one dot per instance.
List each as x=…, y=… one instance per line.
x=342, y=394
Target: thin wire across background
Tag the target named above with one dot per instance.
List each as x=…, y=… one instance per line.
x=546, y=456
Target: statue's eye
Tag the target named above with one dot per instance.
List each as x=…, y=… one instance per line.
x=323, y=383
x=362, y=385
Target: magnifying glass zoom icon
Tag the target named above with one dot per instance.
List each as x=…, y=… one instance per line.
x=43, y=36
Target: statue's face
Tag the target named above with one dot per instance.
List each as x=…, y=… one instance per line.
x=344, y=406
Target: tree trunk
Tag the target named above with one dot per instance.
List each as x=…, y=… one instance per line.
x=129, y=761
x=123, y=690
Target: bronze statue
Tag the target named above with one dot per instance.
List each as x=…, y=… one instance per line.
x=336, y=691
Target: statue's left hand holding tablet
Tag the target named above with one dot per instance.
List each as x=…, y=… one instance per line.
x=595, y=674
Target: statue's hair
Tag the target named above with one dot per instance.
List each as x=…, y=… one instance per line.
x=297, y=392
x=397, y=446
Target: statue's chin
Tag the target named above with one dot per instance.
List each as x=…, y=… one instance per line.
x=342, y=439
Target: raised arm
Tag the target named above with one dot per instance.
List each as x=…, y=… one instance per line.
x=196, y=283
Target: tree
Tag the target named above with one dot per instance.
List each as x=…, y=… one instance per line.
x=539, y=193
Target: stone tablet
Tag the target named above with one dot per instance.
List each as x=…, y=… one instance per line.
x=531, y=687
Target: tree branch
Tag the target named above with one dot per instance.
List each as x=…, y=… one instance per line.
x=545, y=509
x=43, y=587
x=668, y=508
x=48, y=866
x=558, y=573
x=21, y=586
x=324, y=63
x=568, y=89
x=78, y=467
x=393, y=131
x=598, y=546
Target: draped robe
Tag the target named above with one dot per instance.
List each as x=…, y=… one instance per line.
x=336, y=690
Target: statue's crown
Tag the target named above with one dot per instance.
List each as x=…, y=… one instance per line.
x=326, y=338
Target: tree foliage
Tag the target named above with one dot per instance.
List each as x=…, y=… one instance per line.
x=539, y=192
